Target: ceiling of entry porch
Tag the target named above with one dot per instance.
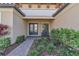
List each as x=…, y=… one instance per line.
x=39, y=9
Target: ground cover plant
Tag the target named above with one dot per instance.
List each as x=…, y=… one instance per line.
x=62, y=42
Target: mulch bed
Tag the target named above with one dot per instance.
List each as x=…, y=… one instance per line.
x=10, y=48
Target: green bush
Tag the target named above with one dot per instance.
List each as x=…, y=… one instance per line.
x=68, y=38
x=68, y=52
x=34, y=53
x=65, y=36
x=41, y=41
x=20, y=39
x=50, y=47
x=55, y=36
x=41, y=48
x=4, y=42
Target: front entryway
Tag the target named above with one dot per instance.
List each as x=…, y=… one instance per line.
x=33, y=29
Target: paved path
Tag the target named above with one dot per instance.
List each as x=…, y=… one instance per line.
x=23, y=49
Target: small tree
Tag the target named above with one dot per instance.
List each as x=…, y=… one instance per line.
x=3, y=30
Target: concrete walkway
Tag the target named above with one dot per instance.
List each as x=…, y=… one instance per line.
x=23, y=49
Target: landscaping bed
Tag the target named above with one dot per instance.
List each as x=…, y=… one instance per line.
x=51, y=49
x=10, y=48
x=62, y=42
x=5, y=41
x=6, y=46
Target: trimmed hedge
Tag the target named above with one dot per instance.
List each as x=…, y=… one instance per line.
x=65, y=36
x=20, y=39
x=5, y=42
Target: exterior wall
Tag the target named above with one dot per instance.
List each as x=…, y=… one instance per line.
x=12, y=18
x=68, y=18
x=40, y=23
x=19, y=26
x=7, y=19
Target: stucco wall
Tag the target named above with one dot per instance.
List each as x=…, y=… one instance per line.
x=12, y=18
x=7, y=19
x=40, y=22
x=68, y=18
x=19, y=26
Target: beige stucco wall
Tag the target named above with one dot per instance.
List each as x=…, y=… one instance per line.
x=40, y=22
x=12, y=18
x=68, y=18
x=19, y=26
x=7, y=19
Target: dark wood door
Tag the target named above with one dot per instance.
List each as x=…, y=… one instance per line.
x=33, y=29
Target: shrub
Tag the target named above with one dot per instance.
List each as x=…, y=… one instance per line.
x=41, y=48
x=20, y=39
x=68, y=52
x=55, y=35
x=41, y=41
x=34, y=53
x=68, y=38
x=65, y=36
x=4, y=43
x=50, y=47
